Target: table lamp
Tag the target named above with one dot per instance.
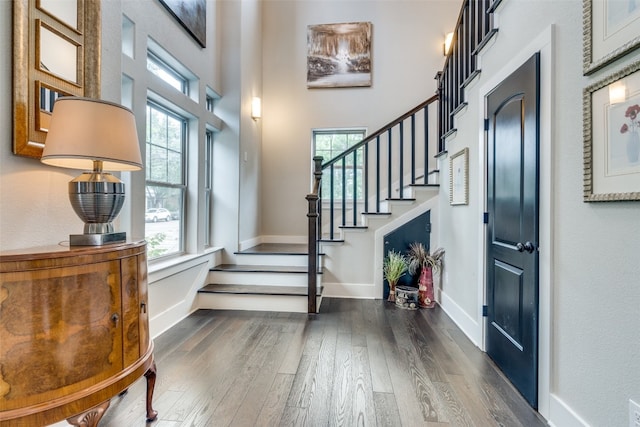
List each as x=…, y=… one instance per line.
x=94, y=135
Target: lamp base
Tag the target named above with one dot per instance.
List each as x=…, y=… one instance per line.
x=97, y=239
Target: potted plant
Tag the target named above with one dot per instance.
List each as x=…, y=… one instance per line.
x=394, y=266
x=420, y=260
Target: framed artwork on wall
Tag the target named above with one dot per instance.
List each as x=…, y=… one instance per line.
x=459, y=178
x=339, y=55
x=611, y=30
x=192, y=15
x=612, y=137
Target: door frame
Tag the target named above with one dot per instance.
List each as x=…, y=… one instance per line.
x=543, y=44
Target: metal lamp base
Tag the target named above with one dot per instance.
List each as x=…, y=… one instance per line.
x=97, y=239
x=97, y=198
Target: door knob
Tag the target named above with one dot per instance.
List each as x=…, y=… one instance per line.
x=527, y=246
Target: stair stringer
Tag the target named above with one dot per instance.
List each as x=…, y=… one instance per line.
x=353, y=268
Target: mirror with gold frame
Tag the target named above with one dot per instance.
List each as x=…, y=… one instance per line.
x=56, y=52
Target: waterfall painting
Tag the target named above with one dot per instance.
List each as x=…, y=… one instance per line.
x=339, y=55
x=192, y=15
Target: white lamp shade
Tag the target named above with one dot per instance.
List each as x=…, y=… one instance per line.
x=83, y=130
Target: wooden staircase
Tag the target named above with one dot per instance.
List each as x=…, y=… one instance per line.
x=267, y=277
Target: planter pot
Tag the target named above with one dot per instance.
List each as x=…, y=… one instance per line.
x=392, y=292
x=426, y=298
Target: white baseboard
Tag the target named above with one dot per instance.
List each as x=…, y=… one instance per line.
x=349, y=290
x=561, y=415
x=466, y=323
x=249, y=243
x=162, y=322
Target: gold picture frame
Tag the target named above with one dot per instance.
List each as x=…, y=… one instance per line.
x=611, y=131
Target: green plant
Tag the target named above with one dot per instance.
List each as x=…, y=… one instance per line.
x=394, y=266
x=154, y=243
x=419, y=257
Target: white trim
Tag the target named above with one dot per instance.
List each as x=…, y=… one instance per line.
x=274, y=303
x=378, y=254
x=350, y=290
x=284, y=239
x=250, y=243
x=163, y=269
x=562, y=415
x=466, y=323
x=159, y=323
x=543, y=44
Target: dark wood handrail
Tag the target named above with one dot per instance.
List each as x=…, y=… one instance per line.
x=380, y=131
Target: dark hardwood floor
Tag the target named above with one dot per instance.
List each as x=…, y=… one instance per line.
x=360, y=362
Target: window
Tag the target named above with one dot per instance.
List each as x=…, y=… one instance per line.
x=208, y=186
x=165, y=181
x=329, y=143
x=170, y=76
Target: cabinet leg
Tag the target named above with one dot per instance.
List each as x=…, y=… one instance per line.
x=150, y=375
x=90, y=417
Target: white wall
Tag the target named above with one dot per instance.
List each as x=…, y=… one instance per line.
x=34, y=206
x=589, y=252
x=407, y=39
x=34, y=203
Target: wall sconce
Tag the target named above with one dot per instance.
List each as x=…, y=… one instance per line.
x=447, y=43
x=256, y=108
x=93, y=135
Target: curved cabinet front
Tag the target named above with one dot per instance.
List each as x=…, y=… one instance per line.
x=74, y=331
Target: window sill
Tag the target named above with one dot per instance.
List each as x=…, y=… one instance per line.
x=161, y=269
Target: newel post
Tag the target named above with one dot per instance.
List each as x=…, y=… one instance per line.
x=313, y=216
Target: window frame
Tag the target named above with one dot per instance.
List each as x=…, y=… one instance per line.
x=182, y=186
x=342, y=131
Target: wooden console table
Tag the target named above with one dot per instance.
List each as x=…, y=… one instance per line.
x=74, y=332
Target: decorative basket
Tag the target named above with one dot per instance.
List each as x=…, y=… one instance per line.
x=407, y=297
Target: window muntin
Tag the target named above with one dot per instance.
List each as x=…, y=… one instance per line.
x=165, y=180
x=208, y=187
x=329, y=143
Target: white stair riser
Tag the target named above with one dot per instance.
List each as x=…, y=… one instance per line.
x=273, y=260
x=282, y=303
x=259, y=278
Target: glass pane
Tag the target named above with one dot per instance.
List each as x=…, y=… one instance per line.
x=64, y=10
x=174, y=166
x=158, y=127
x=128, y=36
x=158, y=164
x=58, y=56
x=166, y=74
x=174, y=133
x=163, y=221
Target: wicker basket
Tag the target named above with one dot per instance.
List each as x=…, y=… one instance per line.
x=407, y=297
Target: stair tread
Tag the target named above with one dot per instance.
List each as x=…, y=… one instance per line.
x=403, y=199
x=377, y=213
x=256, y=289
